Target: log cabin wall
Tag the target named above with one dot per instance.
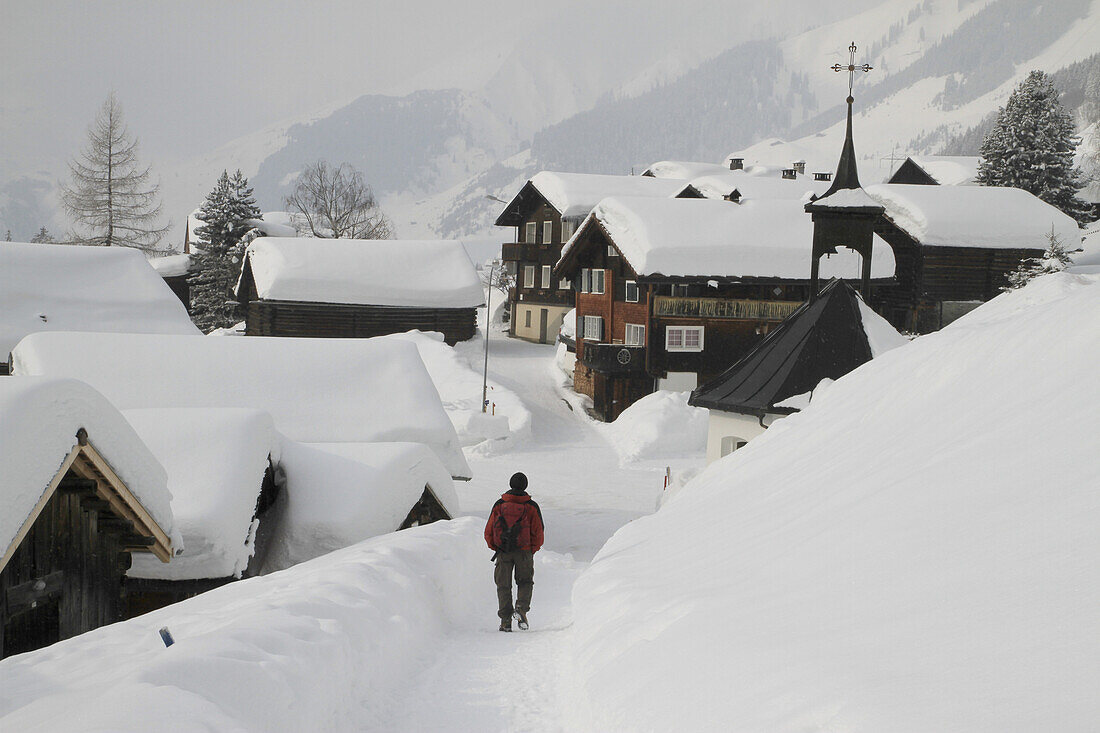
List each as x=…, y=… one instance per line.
x=66, y=576
x=329, y=320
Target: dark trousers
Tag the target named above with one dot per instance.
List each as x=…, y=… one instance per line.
x=522, y=562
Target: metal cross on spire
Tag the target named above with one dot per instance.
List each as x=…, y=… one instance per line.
x=851, y=68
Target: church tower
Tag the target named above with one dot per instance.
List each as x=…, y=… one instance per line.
x=846, y=214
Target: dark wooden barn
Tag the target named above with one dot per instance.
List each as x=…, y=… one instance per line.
x=338, y=288
x=61, y=574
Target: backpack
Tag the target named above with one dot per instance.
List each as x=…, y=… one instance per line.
x=509, y=535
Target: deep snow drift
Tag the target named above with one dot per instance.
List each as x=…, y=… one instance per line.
x=915, y=551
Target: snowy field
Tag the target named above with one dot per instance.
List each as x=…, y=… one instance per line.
x=915, y=551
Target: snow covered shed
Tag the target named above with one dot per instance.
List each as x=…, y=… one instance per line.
x=955, y=245
x=350, y=288
x=174, y=270
x=224, y=499
x=820, y=342
x=546, y=212
x=316, y=390
x=937, y=170
x=672, y=291
x=80, y=492
x=51, y=287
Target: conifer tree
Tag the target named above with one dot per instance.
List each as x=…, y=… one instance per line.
x=111, y=197
x=1054, y=259
x=43, y=237
x=215, y=268
x=1031, y=147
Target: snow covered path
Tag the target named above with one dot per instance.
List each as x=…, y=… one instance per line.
x=488, y=681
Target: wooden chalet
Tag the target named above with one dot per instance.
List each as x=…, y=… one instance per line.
x=937, y=170
x=824, y=339
x=671, y=292
x=226, y=493
x=343, y=288
x=70, y=522
x=545, y=213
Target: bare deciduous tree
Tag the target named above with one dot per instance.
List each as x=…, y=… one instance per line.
x=111, y=197
x=336, y=203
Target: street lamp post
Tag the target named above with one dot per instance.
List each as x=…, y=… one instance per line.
x=488, y=316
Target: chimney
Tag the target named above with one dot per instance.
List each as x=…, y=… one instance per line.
x=823, y=176
x=737, y=164
x=790, y=173
x=800, y=166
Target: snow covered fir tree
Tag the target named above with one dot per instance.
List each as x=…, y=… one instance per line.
x=1054, y=259
x=226, y=213
x=1031, y=146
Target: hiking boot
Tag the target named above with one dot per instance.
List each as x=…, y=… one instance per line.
x=522, y=616
x=506, y=624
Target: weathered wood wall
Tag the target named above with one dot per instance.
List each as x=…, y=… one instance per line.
x=330, y=320
x=66, y=576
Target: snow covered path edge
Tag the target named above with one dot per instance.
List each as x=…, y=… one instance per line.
x=321, y=646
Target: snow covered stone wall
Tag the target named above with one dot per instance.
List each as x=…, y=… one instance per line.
x=909, y=553
x=322, y=646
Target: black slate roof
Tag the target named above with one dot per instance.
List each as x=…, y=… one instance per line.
x=824, y=338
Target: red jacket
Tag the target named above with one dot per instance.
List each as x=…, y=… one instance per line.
x=516, y=508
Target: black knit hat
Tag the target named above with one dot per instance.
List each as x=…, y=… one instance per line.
x=518, y=483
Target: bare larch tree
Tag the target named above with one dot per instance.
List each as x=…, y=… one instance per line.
x=111, y=197
x=336, y=203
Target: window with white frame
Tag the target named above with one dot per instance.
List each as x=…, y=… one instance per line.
x=564, y=284
x=730, y=443
x=546, y=277
x=597, y=281
x=611, y=251
x=567, y=229
x=635, y=335
x=530, y=232
x=528, y=276
x=547, y=232
x=684, y=338
x=593, y=328
x=586, y=280
x=631, y=291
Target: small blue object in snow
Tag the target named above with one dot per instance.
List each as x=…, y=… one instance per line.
x=166, y=637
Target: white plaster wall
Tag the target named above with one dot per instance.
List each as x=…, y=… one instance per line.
x=723, y=424
x=679, y=382
x=553, y=321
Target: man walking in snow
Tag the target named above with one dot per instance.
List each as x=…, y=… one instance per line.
x=514, y=533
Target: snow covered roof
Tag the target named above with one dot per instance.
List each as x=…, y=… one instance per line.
x=274, y=224
x=824, y=339
x=215, y=460
x=390, y=272
x=355, y=390
x=771, y=155
x=948, y=170
x=573, y=195
x=53, y=287
x=851, y=199
x=39, y=420
x=909, y=520
x=683, y=169
x=1089, y=256
x=721, y=185
x=172, y=265
x=974, y=216
x=342, y=493
x=700, y=237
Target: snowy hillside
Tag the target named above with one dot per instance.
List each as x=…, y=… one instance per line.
x=912, y=552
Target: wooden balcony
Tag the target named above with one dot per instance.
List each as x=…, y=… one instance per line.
x=542, y=254
x=614, y=358
x=748, y=310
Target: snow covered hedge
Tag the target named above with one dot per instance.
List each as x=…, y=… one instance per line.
x=915, y=551
x=321, y=646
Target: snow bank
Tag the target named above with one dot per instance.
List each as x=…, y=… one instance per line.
x=391, y=272
x=660, y=425
x=338, y=494
x=459, y=388
x=317, y=390
x=915, y=551
x=39, y=419
x=696, y=237
x=974, y=216
x=51, y=287
x=322, y=646
x=215, y=459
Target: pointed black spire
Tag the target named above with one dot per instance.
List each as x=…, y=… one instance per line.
x=846, y=174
